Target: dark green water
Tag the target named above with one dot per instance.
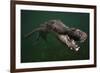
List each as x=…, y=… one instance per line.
x=33, y=50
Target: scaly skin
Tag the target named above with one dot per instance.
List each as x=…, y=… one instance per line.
x=68, y=36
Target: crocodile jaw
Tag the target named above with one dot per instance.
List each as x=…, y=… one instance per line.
x=69, y=42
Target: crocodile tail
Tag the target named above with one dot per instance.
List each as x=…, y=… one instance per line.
x=34, y=30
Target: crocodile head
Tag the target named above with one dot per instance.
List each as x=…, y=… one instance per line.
x=71, y=39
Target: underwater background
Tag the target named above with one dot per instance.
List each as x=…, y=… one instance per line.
x=41, y=50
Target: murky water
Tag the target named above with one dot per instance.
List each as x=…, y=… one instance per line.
x=33, y=50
